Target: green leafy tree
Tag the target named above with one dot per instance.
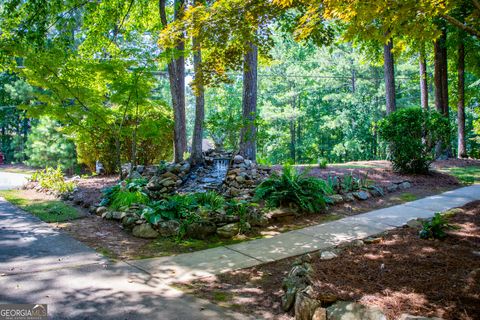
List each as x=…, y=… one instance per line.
x=48, y=146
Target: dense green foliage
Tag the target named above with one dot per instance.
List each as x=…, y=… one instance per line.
x=47, y=146
x=53, y=180
x=412, y=135
x=308, y=194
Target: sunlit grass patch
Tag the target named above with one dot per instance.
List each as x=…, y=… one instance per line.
x=466, y=175
x=45, y=209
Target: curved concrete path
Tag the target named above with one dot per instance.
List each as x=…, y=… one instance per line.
x=188, y=266
x=9, y=180
x=41, y=265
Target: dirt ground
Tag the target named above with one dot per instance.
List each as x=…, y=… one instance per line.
x=419, y=277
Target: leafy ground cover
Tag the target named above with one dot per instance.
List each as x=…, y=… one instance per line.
x=45, y=208
x=400, y=274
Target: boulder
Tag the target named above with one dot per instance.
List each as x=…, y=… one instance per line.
x=305, y=305
x=168, y=228
x=129, y=222
x=343, y=310
x=257, y=219
x=144, y=230
x=348, y=197
x=405, y=185
x=118, y=215
x=101, y=210
x=238, y=159
x=140, y=168
x=229, y=230
x=336, y=198
x=135, y=175
x=201, y=229
x=392, y=187
x=297, y=279
x=361, y=195
x=154, y=184
x=376, y=191
x=327, y=255
x=168, y=182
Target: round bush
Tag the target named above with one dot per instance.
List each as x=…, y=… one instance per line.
x=412, y=134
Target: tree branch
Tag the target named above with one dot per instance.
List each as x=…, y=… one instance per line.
x=461, y=26
x=476, y=4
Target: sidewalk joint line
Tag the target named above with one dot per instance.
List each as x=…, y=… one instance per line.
x=244, y=254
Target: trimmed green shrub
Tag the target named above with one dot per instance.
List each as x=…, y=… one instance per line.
x=412, y=134
x=309, y=194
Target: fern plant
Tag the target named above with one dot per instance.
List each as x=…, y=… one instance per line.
x=291, y=187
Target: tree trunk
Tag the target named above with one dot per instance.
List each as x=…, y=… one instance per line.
x=462, y=149
x=388, y=66
x=292, y=140
x=441, y=85
x=176, y=74
x=197, y=138
x=423, y=80
x=249, y=104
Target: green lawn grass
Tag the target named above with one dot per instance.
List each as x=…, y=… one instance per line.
x=46, y=210
x=466, y=175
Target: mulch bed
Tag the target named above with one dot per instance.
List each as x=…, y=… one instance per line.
x=401, y=274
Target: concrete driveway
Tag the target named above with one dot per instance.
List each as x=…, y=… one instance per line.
x=10, y=180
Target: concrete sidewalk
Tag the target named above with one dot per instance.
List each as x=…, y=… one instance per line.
x=41, y=265
x=188, y=266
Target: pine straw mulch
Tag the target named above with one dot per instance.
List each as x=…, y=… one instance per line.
x=401, y=274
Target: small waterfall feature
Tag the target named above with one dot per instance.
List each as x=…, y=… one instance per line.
x=210, y=177
x=220, y=168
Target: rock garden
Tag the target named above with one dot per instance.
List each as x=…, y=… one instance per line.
x=226, y=197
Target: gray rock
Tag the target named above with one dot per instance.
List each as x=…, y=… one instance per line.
x=168, y=228
x=327, y=255
x=129, y=222
x=392, y=187
x=168, y=182
x=107, y=215
x=248, y=163
x=238, y=159
x=118, y=215
x=229, y=230
x=101, y=210
x=240, y=179
x=405, y=185
x=348, y=197
x=305, y=305
x=415, y=223
x=361, y=195
x=144, y=231
x=336, y=198
x=376, y=191
x=140, y=169
x=297, y=279
x=135, y=175
x=257, y=219
x=345, y=310
x=154, y=184
x=201, y=229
